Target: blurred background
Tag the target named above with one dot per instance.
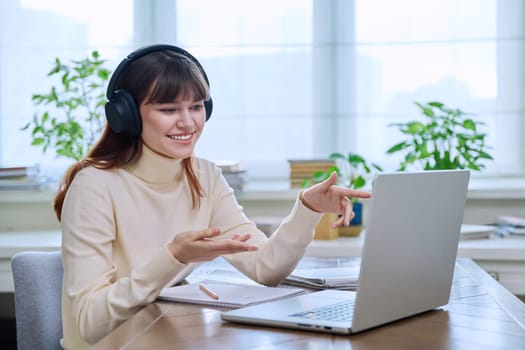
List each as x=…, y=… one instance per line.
x=293, y=79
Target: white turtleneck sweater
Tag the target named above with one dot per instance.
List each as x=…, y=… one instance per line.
x=116, y=225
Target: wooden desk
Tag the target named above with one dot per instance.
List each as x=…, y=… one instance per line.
x=481, y=314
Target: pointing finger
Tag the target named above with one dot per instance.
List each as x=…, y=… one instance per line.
x=356, y=194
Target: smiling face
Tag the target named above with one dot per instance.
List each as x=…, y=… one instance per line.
x=170, y=90
x=173, y=128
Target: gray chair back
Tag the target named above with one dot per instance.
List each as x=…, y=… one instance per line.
x=37, y=279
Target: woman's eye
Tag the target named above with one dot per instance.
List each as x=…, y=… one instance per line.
x=197, y=107
x=168, y=110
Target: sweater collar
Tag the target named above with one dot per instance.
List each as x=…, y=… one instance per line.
x=155, y=168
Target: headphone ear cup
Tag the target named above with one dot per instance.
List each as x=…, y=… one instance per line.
x=208, y=106
x=122, y=114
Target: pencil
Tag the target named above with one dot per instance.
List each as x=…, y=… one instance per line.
x=210, y=293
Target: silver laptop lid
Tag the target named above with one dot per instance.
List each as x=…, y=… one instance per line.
x=413, y=223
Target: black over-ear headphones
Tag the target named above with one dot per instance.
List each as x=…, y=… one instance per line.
x=122, y=112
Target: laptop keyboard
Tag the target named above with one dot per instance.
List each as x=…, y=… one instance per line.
x=335, y=312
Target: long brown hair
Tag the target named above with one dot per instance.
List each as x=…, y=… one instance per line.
x=158, y=77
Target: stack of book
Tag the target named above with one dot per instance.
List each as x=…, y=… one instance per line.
x=234, y=173
x=301, y=169
x=513, y=225
x=476, y=231
x=17, y=178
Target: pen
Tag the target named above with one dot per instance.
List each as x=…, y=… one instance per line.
x=210, y=293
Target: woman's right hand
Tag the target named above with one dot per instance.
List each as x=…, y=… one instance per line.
x=203, y=245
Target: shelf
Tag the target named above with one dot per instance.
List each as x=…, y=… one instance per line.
x=14, y=242
x=510, y=248
x=485, y=188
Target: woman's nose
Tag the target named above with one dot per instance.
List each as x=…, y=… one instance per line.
x=184, y=119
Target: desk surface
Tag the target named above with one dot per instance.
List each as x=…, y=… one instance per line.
x=481, y=314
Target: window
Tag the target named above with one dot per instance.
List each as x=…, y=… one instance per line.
x=290, y=79
x=258, y=56
x=301, y=79
x=32, y=34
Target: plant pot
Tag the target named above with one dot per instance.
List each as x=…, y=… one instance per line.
x=356, y=225
x=323, y=231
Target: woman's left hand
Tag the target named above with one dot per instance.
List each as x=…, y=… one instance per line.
x=326, y=197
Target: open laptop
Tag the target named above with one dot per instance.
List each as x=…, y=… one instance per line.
x=407, y=260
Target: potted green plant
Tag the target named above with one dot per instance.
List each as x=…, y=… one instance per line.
x=76, y=116
x=448, y=138
x=353, y=171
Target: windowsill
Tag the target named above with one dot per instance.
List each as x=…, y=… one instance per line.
x=505, y=189
x=509, y=188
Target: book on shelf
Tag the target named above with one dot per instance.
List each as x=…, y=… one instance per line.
x=13, y=172
x=17, y=178
x=230, y=166
x=303, y=166
x=20, y=184
x=476, y=231
x=230, y=295
x=301, y=169
x=234, y=172
x=235, y=180
x=308, y=171
x=309, y=161
x=325, y=278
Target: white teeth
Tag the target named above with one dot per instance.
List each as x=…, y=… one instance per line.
x=180, y=137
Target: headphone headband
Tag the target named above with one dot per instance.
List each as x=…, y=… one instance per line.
x=122, y=112
x=143, y=51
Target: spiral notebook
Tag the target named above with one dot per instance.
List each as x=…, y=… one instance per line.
x=229, y=295
x=325, y=278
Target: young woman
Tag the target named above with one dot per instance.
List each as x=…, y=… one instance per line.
x=140, y=211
